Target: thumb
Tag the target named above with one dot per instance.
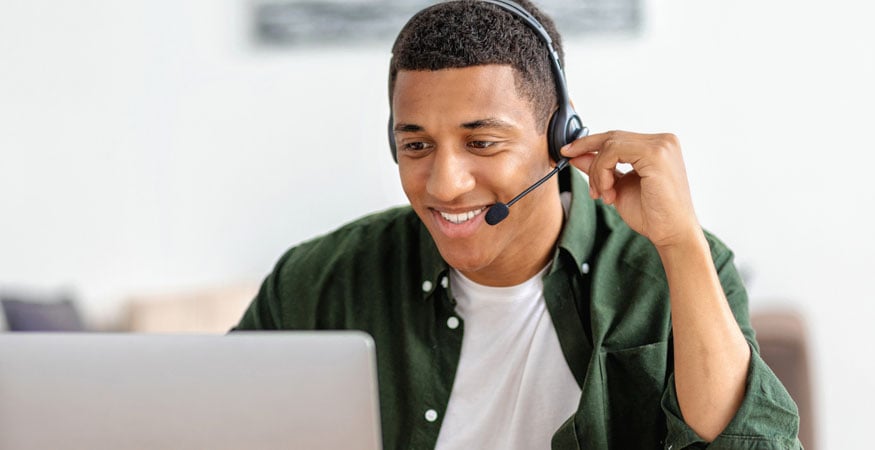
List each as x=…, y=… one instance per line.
x=583, y=162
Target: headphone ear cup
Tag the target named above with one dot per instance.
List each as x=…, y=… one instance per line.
x=565, y=126
x=553, y=135
x=392, y=140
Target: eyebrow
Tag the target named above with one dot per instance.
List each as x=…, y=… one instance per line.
x=473, y=125
x=487, y=123
x=407, y=128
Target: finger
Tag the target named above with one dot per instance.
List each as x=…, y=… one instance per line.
x=603, y=170
x=583, y=162
x=583, y=151
x=609, y=196
x=594, y=142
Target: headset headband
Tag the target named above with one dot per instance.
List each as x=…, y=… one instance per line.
x=565, y=125
x=533, y=23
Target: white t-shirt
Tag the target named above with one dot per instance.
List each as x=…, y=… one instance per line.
x=513, y=388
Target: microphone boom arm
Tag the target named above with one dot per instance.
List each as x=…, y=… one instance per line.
x=559, y=166
x=499, y=211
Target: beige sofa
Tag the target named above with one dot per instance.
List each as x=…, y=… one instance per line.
x=207, y=310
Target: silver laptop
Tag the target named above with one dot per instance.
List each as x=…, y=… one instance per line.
x=299, y=390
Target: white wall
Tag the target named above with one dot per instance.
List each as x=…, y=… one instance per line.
x=147, y=145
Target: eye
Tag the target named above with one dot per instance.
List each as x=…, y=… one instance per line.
x=480, y=145
x=416, y=146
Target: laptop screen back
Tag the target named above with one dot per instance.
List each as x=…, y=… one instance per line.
x=298, y=390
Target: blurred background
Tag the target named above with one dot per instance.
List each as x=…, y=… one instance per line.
x=157, y=157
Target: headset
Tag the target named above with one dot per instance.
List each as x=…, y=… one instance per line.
x=565, y=124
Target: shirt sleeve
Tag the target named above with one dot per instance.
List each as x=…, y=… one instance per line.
x=264, y=311
x=767, y=418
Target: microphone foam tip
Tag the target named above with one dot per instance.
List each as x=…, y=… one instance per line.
x=496, y=213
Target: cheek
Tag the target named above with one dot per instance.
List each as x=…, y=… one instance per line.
x=539, y=162
x=520, y=171
x=412, y=179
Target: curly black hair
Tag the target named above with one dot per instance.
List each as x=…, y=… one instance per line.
x=465, y=33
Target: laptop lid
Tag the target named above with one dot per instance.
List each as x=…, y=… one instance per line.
x=277, y=390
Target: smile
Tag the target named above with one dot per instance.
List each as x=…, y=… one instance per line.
x=461, y=217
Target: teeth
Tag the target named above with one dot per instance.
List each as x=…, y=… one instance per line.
x=462, y=217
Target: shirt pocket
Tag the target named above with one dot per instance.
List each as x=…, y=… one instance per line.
x=635, y=379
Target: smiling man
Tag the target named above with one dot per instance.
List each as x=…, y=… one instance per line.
x=465, y=141
x=596, y=315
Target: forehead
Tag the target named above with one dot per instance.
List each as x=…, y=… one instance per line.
x=470, y=91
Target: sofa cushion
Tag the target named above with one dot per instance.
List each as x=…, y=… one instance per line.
x=41, y=315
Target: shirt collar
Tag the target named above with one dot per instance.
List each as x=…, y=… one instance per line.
x=434, y=269
x=578, y=233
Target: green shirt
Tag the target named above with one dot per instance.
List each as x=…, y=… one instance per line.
x=606, y=293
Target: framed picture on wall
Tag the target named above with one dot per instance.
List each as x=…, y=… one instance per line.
x=342, y=22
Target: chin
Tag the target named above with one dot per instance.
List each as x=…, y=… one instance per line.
x=465, y=259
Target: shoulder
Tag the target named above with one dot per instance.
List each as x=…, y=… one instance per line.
x=371, y=235
x=630, y=288
x=636, y=251
x=623, y=248
x=330, y=281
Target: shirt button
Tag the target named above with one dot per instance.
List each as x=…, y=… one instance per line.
x=584, y=268
x=426, y=286
x=431, y=415
x=445, y=282
x=453, y=322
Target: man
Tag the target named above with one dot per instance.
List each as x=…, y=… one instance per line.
x=597, y=316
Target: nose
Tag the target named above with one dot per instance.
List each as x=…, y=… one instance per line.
x=450, y=176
